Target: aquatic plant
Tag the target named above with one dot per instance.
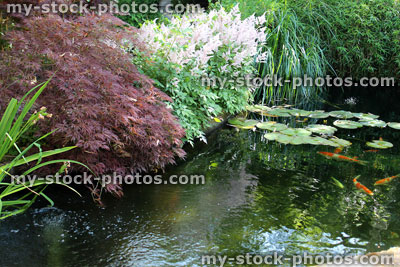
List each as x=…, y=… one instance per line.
x=282, y=133
x=191, y=54
x=380, y=144
x=100, y=102
x=16, y=195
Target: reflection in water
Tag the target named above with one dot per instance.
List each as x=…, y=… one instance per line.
x=261, y=198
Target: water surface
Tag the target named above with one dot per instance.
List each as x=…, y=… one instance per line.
x=258, y=198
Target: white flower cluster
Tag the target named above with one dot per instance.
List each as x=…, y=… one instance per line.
x=194, y=39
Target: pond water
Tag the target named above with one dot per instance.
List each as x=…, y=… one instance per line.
x=260, y=197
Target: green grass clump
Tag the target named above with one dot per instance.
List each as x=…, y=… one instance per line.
x=293, y=49
x=340, y=38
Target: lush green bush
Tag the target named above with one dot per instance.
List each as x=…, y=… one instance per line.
x=188, y=51
x=362, y=38
x=138, y=18
x=358, y=38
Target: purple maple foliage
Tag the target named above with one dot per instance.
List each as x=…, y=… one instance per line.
x=99, y=100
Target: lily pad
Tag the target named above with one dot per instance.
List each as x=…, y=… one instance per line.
x=297, y=140
x=296, y=131
x=280, y=112
x=394, y=125
x=340, y=142
x=321, y=129
x=271, y=136
x=236, y=121
x=380, y=144
x=373, y=123
x=365, y=116
x=299, y=112
x=271, y=126
x=325, y=142
x=284, y=139
x=243, y=124
x=312, y=140
x=253, y=109
x=346, y=124
x=341, y=114
x=263, y=110
x=319, y=114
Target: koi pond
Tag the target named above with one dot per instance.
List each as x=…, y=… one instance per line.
x=261, y=196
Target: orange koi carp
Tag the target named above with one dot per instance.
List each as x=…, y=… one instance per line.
x=330, y=155
x=386, y=180
x=362, y=187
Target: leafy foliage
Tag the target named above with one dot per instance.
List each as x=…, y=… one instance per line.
x=191, y=52
x=99, y=101
x=138, y=18
x=357, y=38
x=292, y=49
x=14, y=123
x=281, y=132
x=361, y=37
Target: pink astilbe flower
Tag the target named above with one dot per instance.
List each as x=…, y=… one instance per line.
x=196, y=38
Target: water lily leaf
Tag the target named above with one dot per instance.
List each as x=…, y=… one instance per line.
x=325, y=142
x=271, y=136
x=340, y=142
x=243, y=124
x=312, y=140
x=319, y=114
x=299, y=112
x=321, y=129
x=341, y=114
x=258, y=108
x=379, y=144
x=271, y=126
x=253, y=109
x=280, y=112
x=297, y=140
x=346, y=124
x=394, y=125
x=249, y=124
x=365, y=116
x=284, y=139
x=296, y=131
x=373, y=123
x=236, y=121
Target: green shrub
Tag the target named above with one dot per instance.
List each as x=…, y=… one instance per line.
x=137, y=18
x=358, y=38
x=188, y=51
x=361, y=38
